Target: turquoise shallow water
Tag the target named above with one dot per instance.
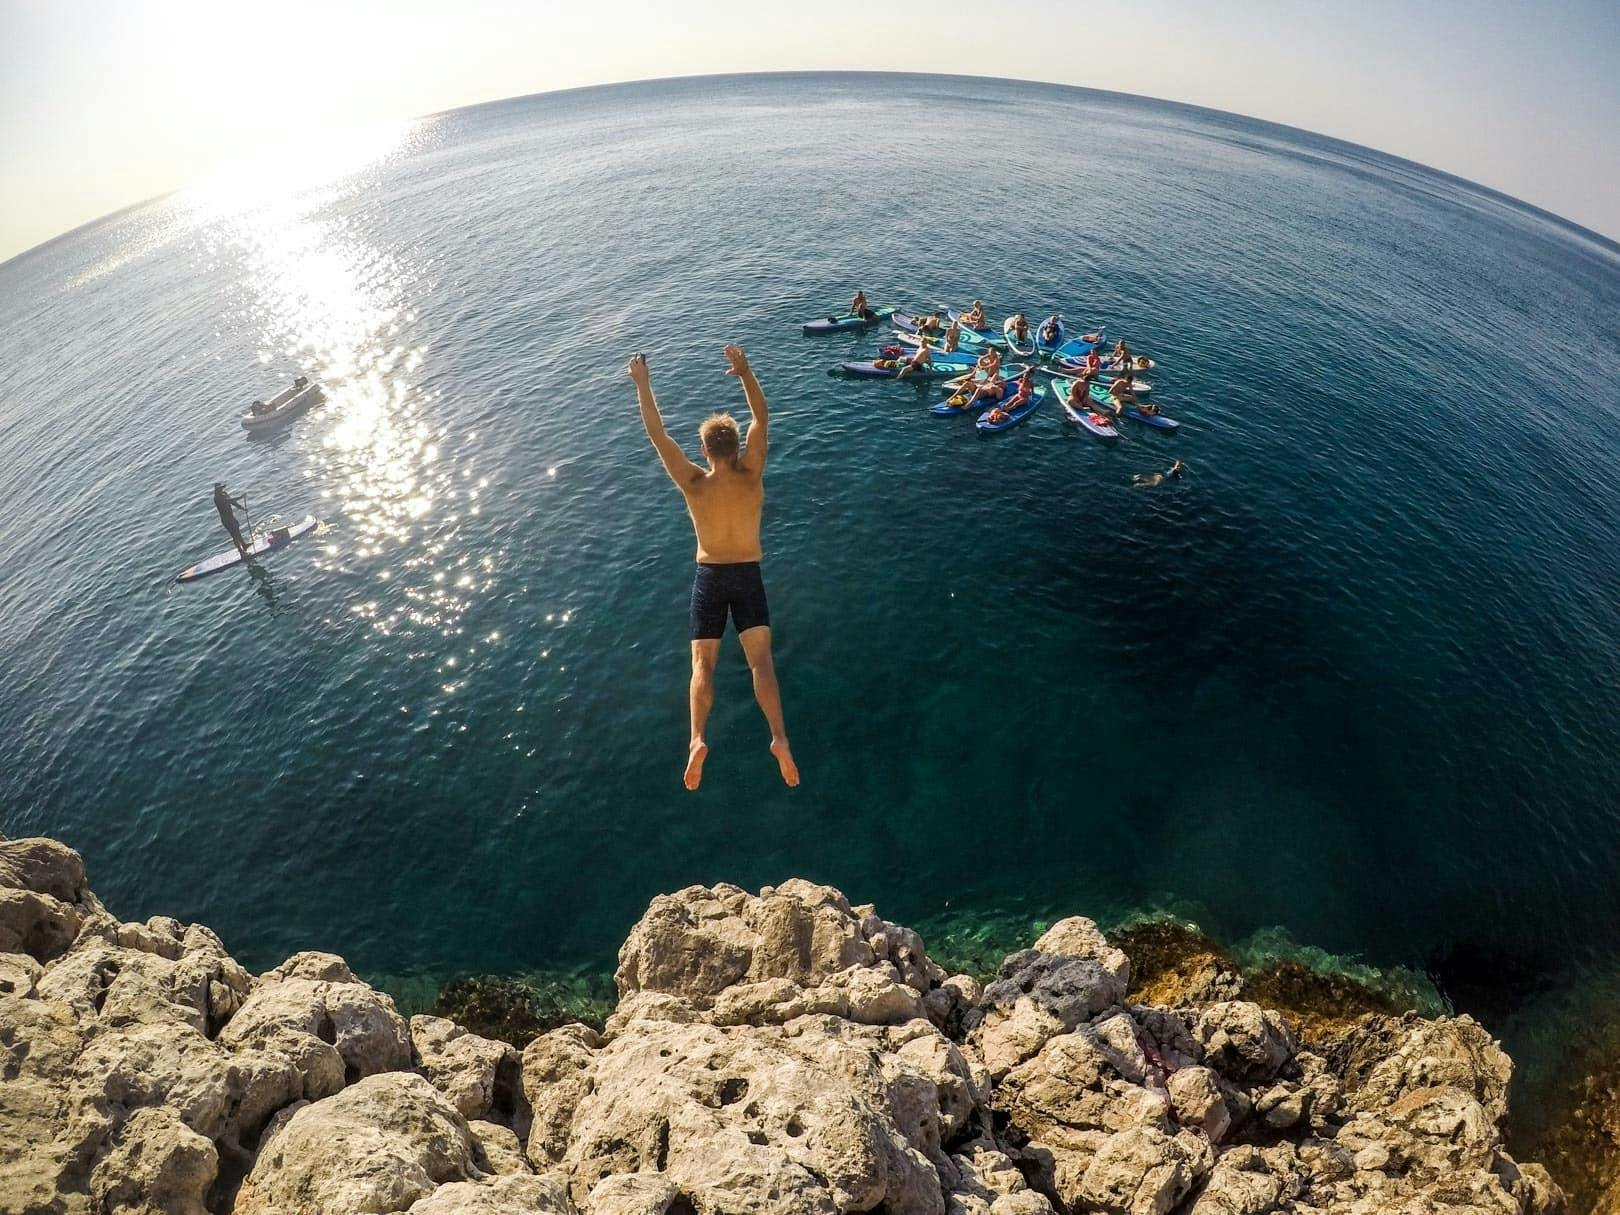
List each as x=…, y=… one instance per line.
x=1355, y=676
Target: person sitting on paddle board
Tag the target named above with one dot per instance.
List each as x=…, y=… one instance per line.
x=973, y=318
x=1050, y=332
x=953, y=338
x=1149, y=480
x=1121, y=357
x=859, y=307
x=724, y=501
x=1026, y=386
x=1020, y=328
x=923, y=359
x=1123, y=388
x=223, y=502
x=989, y=362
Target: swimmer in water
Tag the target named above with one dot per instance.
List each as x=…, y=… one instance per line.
x=1149, y=480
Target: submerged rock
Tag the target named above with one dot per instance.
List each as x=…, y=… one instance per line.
x=779, y=1052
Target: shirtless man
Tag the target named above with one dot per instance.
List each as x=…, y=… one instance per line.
x=724, y=501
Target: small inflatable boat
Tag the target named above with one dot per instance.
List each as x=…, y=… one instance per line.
x=285, y=404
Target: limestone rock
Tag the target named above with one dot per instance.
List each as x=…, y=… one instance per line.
x=335, y=1032
x=156, y=1164
x=1243, y=1041
x=1196, y=1094
x=43, y=866
x=1078, y=937
x=1035, y=997
x=1143, y=1171
x=820, y=1115
x=479, y=1075
x=632, y=1194
x=700, y=941
x=35, y=924
x=1387, y=1058
x=381, y=1144
x=1248, y=1181
x=521, y=1195
x=498, y=1149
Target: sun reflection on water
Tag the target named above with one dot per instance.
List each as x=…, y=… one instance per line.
x=326, y=300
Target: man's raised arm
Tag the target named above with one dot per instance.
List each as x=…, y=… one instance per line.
x=680, y=469
x=753, y=456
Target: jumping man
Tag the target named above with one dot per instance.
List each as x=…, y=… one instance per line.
x=724, y=500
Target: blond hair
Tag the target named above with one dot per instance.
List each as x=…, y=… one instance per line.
x=720, y=437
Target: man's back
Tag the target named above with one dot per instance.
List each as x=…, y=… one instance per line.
x=725, y=505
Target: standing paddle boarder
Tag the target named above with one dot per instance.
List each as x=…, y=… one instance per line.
x=725, y=501
x=223, y=503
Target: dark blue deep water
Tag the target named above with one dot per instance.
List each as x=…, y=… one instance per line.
x=1356, y=677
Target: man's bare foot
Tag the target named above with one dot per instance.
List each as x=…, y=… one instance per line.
x=694, y=763
x=784, y=759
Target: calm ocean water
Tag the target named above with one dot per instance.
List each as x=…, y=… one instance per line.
x=1356, y=676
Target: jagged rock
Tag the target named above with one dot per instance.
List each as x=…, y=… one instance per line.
x=820, y=1115
x=1196, y=1095
x=1387, y=1058
x=781, y=1052
x=35, y=924
x=1243, y=1041
x=381, y=1144
x=1248, y=1181
x=1143, y=1171
x=155, y=1164
x=43, y=866
x=522, y=1195
x=498, y=1148
x=700, y=941
x=1035, y=997
x=334, y=1032
x=632, y=1194
x=479, y=1075
x=556, y=1078
x=1078, y=937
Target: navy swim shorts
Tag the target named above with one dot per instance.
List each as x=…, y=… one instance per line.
x=717, y=589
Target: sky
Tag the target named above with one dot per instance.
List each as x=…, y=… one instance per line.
x=104, y=103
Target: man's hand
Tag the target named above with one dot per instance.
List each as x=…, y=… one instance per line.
x=637, y=368
x=737, y=359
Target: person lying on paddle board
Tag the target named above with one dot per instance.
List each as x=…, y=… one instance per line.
x=921, y=361
x=991, y=388
x=859, y=307
x=929, y=323
x=1026, y=386
x=1149, y=480
x=725, y=501
x=223, y=502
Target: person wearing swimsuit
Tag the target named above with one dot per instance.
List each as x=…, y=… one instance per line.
x=725, y=501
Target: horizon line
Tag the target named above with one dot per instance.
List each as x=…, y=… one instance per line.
x=1611, y=243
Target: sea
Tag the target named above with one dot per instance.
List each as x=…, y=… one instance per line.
x=1347, y=688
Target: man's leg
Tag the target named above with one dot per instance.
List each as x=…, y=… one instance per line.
x=756, y=644
x=704, y=653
